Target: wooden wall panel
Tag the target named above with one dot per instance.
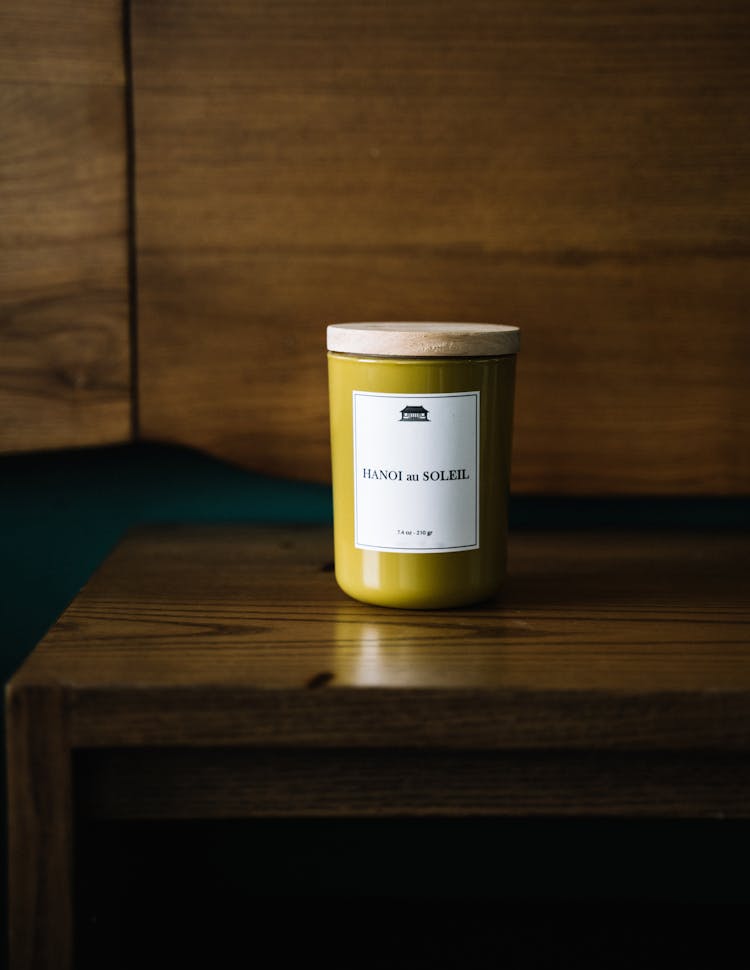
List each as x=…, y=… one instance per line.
x=64, y=302
x=580, y=171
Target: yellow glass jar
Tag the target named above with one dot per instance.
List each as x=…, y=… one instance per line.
x=421, y=428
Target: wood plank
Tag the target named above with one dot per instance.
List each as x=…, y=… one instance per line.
x=447, y=718
x=40, y=829
x=231, y=635
x=62, y=42
x=216, y=671
x=138, y=784
x=64, y=300
x=579, y=172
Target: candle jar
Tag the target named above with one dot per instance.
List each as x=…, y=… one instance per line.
x=421, y=427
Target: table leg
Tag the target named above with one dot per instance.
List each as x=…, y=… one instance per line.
x=40, y=829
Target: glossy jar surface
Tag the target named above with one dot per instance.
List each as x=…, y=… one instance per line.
x=424, y=578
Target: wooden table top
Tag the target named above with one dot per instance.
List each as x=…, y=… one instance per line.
x=237, y=635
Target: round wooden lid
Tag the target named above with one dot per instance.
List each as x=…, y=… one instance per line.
x=423, y=339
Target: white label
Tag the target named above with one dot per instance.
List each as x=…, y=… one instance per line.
x=416, y=471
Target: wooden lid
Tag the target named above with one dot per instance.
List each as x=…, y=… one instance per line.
x=424, y=339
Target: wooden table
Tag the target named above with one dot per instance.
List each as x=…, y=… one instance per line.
x=218, y=672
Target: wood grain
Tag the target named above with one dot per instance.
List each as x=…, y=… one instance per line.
x=578, y=171
x=40, y=828
x=64, y=301
x=220, y=783
x=217, y=672
x=220, y=635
